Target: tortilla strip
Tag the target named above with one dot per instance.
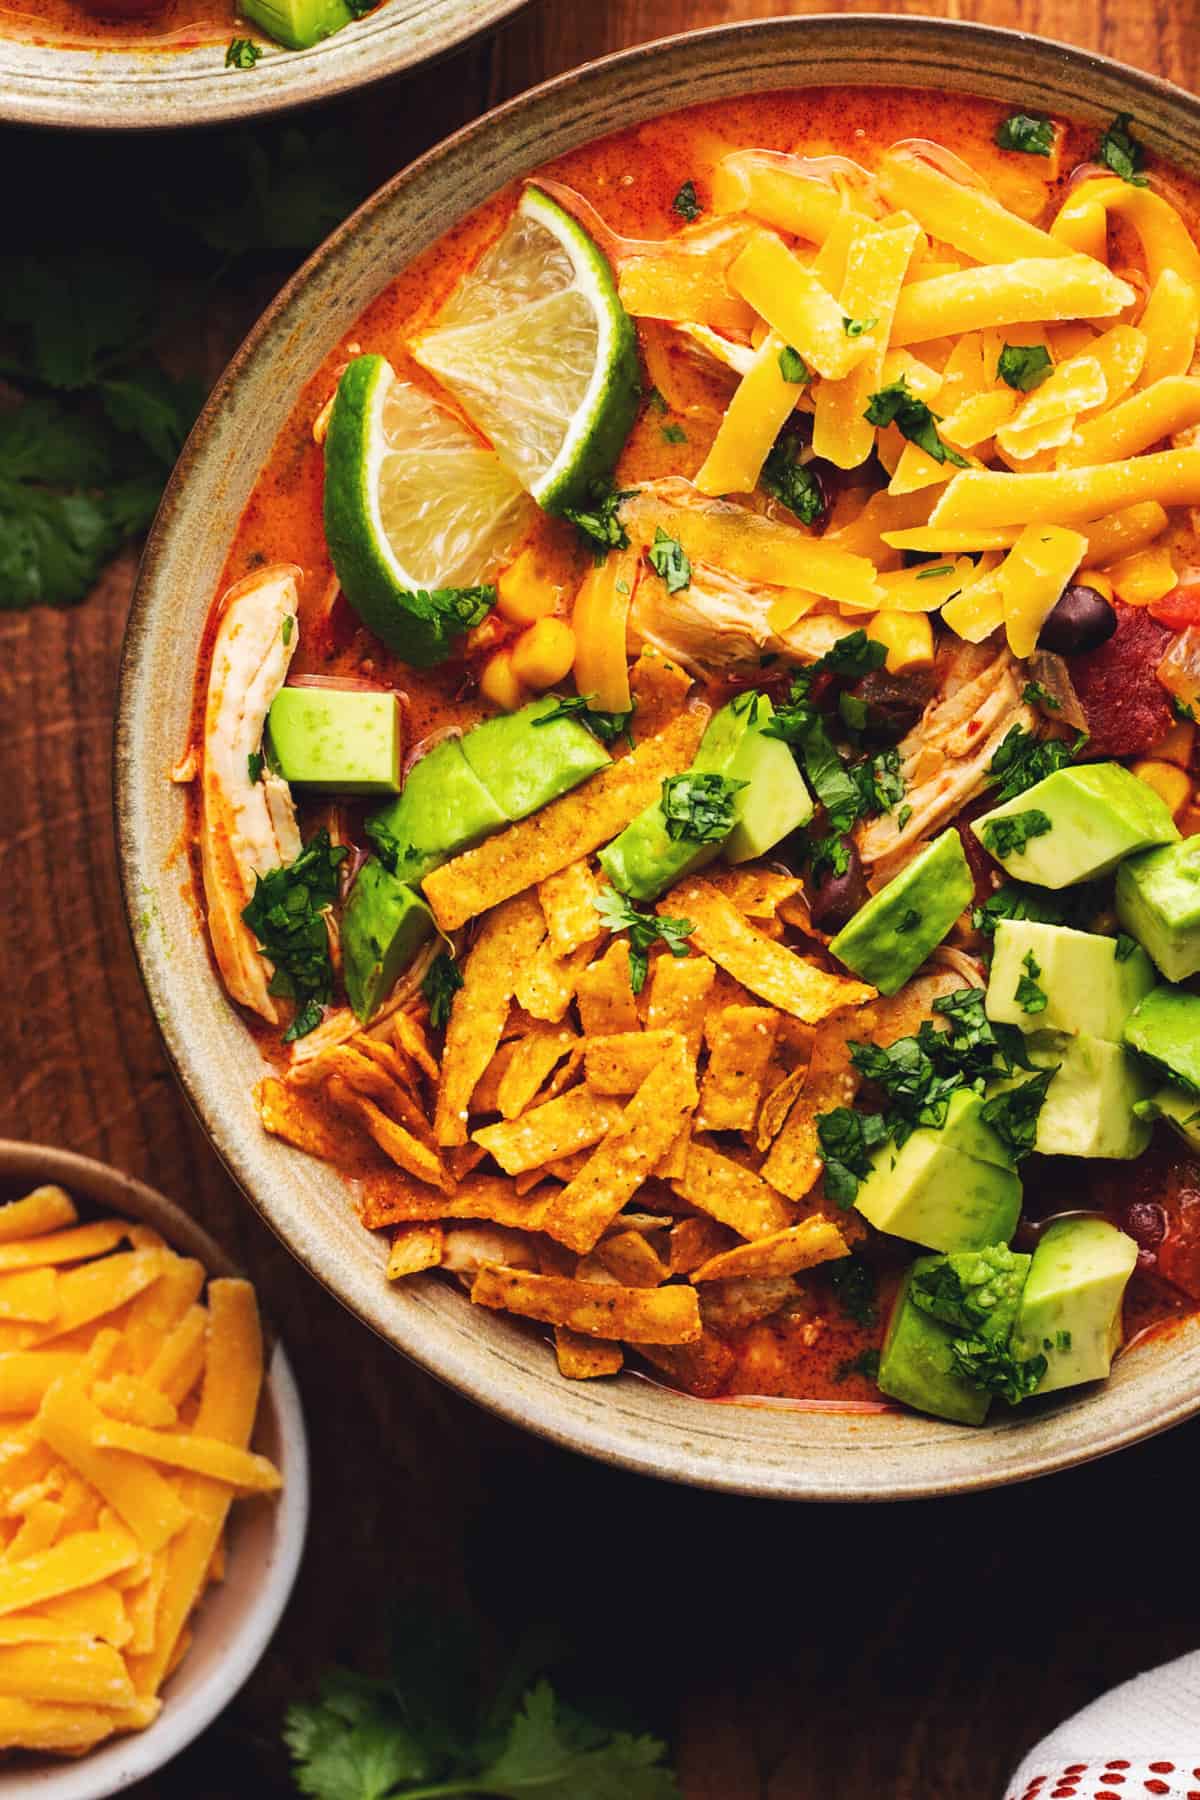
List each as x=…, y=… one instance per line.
x=405, y=1150
x=620, y=1063
x=741, y=1042
x=411, y=1041
x=635, y=1263
x=679, y=988
x=567, y=901
x=288, y=1113
x=802, y=1246
x=490, y=1197
x=377, y=1073
x=414, y=1248
x=649, y=1126
x=788, y=981
x=606, y=1000
x=675, y=1161
x=582, y=1359
x=507, y=939
x=533, y=1057
x=659, y=688
x=757, y=892
x=574, y=1121
x=570, y=827
x=546, y=985
x=702, y=1368
x=693, y=1241
x=732, y=1194
x=665, y=1315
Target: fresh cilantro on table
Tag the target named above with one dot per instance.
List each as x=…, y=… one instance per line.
x=431, y=1728
x=1021, y=131
x=793, y=367
x=644, y=930
x=1024, y=366
x=607, y=726
x=668, y=558
x=856, y=1289
x=286, y=915
x=897, y=405
x=789, y=481
x=1120, y=151
x=700, y=808
x=442, y=981
x=866, y=1363
x=1023, y=759
x=1034, y=694
x=242, y=53
x=1008, y=837
x=1029, y=996
x=995, y=1369
x=270, y=189
x=855, y=328
x=686, y=203
x=599, y=521
x=1013, y=1115
x=674, y=434
x=847, y=1139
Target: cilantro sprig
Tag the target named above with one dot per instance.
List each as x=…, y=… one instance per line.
x=1120, y=151
x=897, y=405
x=286, y=915
x=1023, y=131
x=644, y=929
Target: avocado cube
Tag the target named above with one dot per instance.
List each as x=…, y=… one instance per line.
x=337, y=740
x=894, y=932
x=1070, y=1312
x=1087, y=986
x=1165, y=1029
x=1181, y=1112
x=1089, y=1109
x=299, y=24
x=916, y=1364
x=976, y=1291
x=1097, y=813
x=1158, y=903
x=934, y=1195
x=384, y=924
x=965, y=1130
x=524, y=765
x=644, y=860
x=775, y=801
x=443, y=809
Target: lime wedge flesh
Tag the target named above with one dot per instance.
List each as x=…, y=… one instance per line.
x=418, y=512
x=538, y=350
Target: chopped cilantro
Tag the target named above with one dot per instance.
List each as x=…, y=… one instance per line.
x=289, y=624
x=903, y=816
x=1034, y=694
x=599, y=521
x=853, y=711
x=910, y=921
x=790, y=481
x=879, y=781
x=699, y=808
x=793, y=367
x=656, y=400
x=1124, y=946
x=975, y=1290
x=897, y=405
x=994, y=1369
x=286, y=915
x=938, y=569
x=674, y=434
x=607, y=726
x=254, y=765
x=855, y=328
x=1182, y=710
x=1024, y=366
x=686, y=204
x=1016, y=901
x=865, y=1363
x=856, y=1289
x=644, y=929
x=242, y=53
x=847, y=1139
x=1029, y=996
x=669, y=560
x=1013, y=1115
x=1023, y=759
x=442, y=981
x=1120, y=151
x=1008, y=837
x=1021, y=131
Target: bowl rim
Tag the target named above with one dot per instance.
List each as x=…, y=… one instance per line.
x=118, y=1764
x=143, y=88
x=479, y=1373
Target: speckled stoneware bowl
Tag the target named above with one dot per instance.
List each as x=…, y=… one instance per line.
x=758, y=1449
x=235, y=1621
x=124, y=88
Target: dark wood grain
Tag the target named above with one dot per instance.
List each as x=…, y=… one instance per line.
x=793, y=1653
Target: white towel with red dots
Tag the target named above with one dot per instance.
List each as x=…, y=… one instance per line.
x=1141, y=1739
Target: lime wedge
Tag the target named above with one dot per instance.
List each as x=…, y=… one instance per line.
x=417, y=512
x=541, y=355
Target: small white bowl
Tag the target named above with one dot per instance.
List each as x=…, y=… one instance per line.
x=235, y=1621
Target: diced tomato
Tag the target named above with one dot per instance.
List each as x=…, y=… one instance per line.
x=1180, y=608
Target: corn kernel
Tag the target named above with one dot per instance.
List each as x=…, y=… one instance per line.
x=1144, y=577
x=523, y=593
x=544, y=653
x=499, y=683
x=1169, y=782
x=1178, y=744
x=908, y=638
x=1099, y=584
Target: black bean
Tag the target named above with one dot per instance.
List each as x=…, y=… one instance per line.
x=1080, y=620
x=834, y=899
x=894, y=703
x=1146, y=1223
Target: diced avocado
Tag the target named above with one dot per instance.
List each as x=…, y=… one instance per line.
x=1070, y=1312
x=1086, y=984
x=965, y=1130
x=1158, y=903
x=916, y=1364
x=776, y=799
x=384, y=923
x=934, y=1195
x=1074, y=825
x=1180, y=1111
x=1165, y=1028
x=338, y=740
x=297, y=23
x=524, y=765
x=443, y=808
x=976, y=1291
x=645, y=859
x=1089, y=1109
x=894, y=932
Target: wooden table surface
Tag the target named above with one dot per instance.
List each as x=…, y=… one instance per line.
x=913, y=1651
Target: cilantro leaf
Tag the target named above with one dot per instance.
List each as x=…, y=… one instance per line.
x=1021, y=131
x=74, y=312
x=349, y=1745
x=242, y=53
x=897, y=405
x=1034, y=694
x=1124, y=946
x=148, y=404
x=286, y=916
x=686, y=203
x=599, y=520
x=644, y=930
x=669, y=560
x=855, y=328
x=996, y=1370
x=441, y=982
x=674, y=434
x=879, y=781
x=789, y=481
x=700, y=808
x=847, y=1139
x=607, y=726
x=793, y=367
x=1016, y=901
x=272, y=190
x=865, y=1363
x=973, y=1290
x=547, y=1754
x=1024, y=366
x=1013, y=1115
x=1120, y=151
x=1008, y=837
x=856, y=1288
x=1029, y=996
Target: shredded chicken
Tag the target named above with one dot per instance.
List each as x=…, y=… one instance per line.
x=468, y=1247
x=247, y=827
x=945, y=758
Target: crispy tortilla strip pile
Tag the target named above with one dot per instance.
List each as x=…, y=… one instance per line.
x=128, y=1407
